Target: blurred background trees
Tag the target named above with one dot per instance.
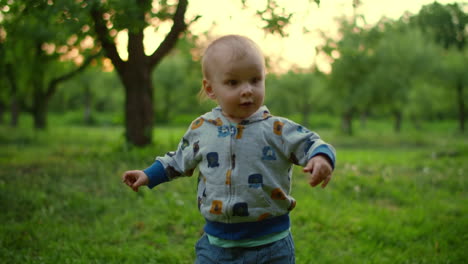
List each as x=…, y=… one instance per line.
x=42, y=45
x=379, y=68
x=61, y=57
x=42, y=28
x=447, y=25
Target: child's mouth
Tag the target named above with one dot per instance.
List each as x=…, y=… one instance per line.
x=246, y=104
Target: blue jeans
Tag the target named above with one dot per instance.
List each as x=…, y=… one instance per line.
x=279, y=252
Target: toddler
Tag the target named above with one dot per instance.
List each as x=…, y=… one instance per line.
x=244, y=156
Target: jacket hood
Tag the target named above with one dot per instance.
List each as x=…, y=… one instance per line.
x=216, y=116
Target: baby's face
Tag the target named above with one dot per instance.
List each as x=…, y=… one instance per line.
x=237, y=84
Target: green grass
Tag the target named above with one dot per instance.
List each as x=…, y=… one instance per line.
x=393, y=199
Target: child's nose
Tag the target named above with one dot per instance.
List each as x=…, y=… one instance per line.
x=246, y=89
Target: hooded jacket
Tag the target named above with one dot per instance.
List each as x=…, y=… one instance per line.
x=245, y=170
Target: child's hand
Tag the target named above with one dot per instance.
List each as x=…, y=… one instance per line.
x=134, y=179
x=320, y=170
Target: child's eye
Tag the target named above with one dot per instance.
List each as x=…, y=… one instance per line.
x=231, y=82
x=255, y=80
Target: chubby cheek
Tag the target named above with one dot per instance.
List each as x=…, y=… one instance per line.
x=233, y=102
x=232, y=97
x=229, y=101
x=260, y=95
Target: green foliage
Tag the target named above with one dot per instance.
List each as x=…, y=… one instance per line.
x=177, y=81
x=105, y=88
x=128, y=14
x=401, y=55
x=297, y=93
x=276, y=18
x=30, y=26
x=394, y=67
x=37, y=36
x=393, y=199
x=454, y=67
x=446, y=23
x=377, y=69
x=351, y=65
x=429, y=101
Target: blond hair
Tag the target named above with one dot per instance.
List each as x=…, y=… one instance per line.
x=239, y=47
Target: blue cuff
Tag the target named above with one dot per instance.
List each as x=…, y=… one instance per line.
x=156, y=174
x=325, y=150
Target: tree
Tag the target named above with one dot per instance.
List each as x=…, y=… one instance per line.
x=177, y=83
x=453, y=73
x=296, y=93
x=110, y=17
x=401, y=55
x=3, y=82
x=95, y=93
x=38, y=34
x=351, y=65
x=447, y=25
x=374, y=68
x=135, y=73
x=134, y=17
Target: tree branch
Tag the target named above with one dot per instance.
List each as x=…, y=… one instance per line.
x=171, y=38
x=103, y=36
x=52, y=87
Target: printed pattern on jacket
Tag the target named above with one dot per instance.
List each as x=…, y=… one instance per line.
x=246, y=168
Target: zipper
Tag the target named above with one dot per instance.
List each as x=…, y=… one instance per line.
x=229, y=174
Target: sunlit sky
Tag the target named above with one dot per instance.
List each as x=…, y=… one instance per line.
x=298, y=48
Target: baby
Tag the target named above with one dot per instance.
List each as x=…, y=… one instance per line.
x=244, y=156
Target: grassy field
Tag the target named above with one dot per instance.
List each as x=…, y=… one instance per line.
x=393, y=199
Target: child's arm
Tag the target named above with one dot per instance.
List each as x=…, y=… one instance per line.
x=168, y=167
x=151, y=176
x=320, y=170
x=306, y=148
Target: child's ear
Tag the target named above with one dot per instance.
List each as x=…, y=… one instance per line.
x=208, y=89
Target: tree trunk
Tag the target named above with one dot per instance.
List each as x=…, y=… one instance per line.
x=305, y=119
x=364, y=119
x=14, y=110
x=39, y=109
x=88, y=119
x=305, y=115
x=40, y=117
x=2, y=111
x=139, y=111
x=461, y=106
x=398, y=119
x=135, y=73
x=166, y=106
x=416, y=122
x=39, y=100
x=347, y=123
x=14, y=103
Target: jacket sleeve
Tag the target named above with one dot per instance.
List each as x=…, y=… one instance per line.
x=175, y=164
x=301, y=144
